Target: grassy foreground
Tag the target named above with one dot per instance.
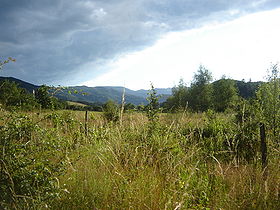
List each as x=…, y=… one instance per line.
x=182, y=161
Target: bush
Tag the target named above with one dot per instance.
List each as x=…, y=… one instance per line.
x=111, y=111
x=28, y=166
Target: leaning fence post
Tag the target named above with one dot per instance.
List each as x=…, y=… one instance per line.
x=263, y=147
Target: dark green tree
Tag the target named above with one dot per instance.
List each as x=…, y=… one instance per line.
x=224, y=94
x=129, y=106
x=43, y=97
x=179, y=98
x=111, y=111
x=268, y=101
x=10, y=93
x=13, y=96
x=200, y=92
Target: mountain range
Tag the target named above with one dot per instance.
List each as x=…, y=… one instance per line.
x=99, y=94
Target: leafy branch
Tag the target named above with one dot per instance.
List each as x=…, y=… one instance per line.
x=2, y=63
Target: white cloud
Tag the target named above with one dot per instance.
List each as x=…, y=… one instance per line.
x=98, y=13
x=258, y=3
x=243, y=48
x=153, y=24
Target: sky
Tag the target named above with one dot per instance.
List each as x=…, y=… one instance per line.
x=132, y=43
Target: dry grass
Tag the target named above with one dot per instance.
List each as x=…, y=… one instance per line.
x=124, y=168
x=129, y=166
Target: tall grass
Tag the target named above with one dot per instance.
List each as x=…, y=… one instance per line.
x=184, y=162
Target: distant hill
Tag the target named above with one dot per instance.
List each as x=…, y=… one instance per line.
x=28, y=86
x=245, y=89
x=99, y=94
x=102, y=94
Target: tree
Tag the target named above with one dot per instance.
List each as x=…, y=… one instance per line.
x=153, y=105
x=43, y=97
x=10, y=93
x=129, y=106
x=178, y=100
x=200, y=92
x=268, y=101
x=224, y=94
x=111, y=111
x=13, y=96
x=46, y=98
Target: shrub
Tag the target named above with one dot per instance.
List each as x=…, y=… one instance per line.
x=28, y=166
x=111, y=111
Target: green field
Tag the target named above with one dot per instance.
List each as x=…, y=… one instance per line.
x=76, y=103
x=56, y=160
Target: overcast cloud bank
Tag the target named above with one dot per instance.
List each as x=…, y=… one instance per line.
x=70, y=41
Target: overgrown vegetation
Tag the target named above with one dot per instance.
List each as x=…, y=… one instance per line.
x=207, y=152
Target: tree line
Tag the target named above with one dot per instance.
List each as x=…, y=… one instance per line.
x=13, y=97
x=203, y=94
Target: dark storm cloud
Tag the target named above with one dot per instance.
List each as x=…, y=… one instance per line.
x=54, y=40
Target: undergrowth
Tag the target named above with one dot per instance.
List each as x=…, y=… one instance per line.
x=174, y=161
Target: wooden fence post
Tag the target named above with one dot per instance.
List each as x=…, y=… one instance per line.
x=86, y=123
x=263, y=148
